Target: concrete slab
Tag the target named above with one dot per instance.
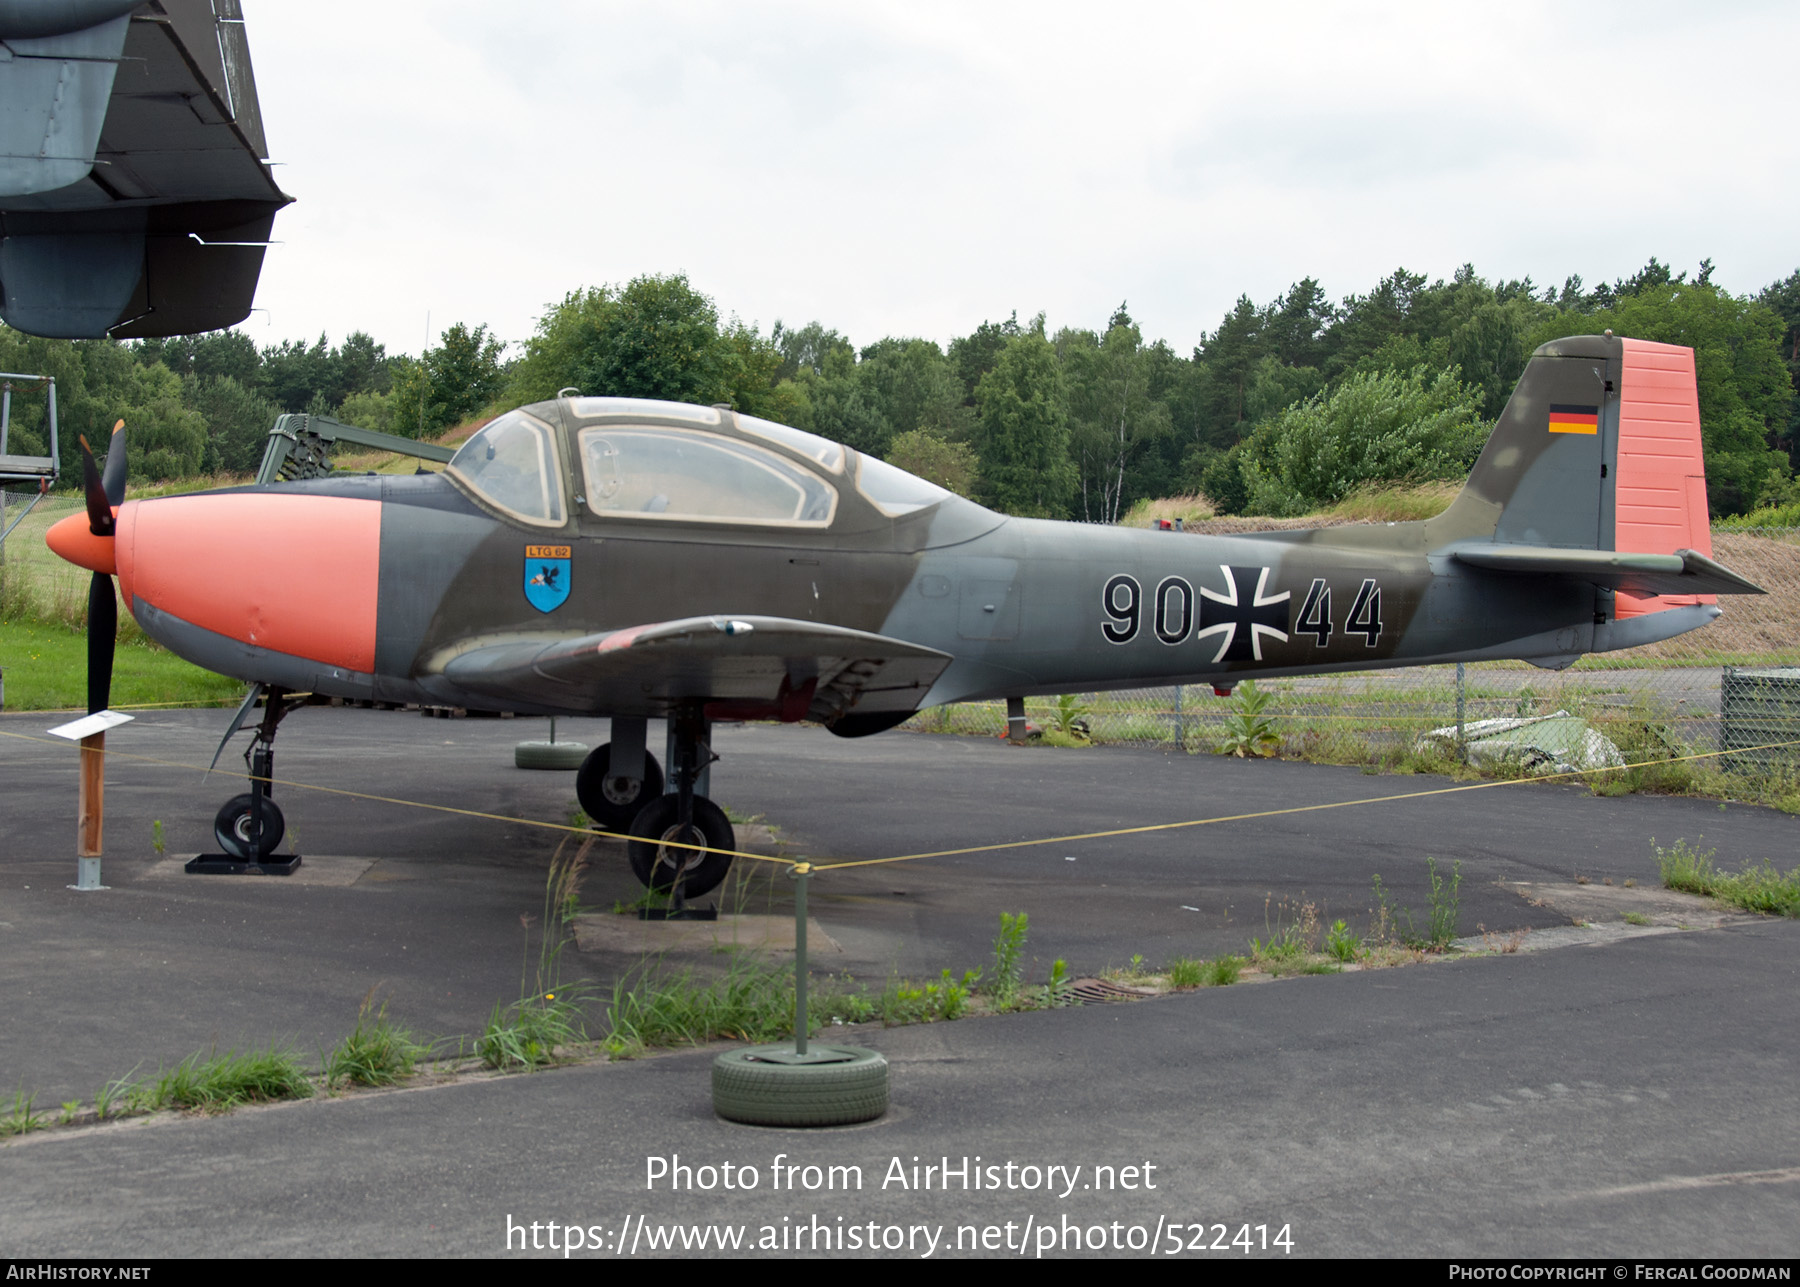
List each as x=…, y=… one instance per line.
x=314, y=869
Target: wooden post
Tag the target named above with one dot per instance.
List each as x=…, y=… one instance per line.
x=92, y=805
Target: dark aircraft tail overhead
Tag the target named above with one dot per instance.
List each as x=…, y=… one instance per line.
x=1594, y=473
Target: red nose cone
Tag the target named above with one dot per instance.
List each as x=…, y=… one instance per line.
x=75, y=541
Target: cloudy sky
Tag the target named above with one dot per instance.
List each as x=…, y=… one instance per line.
x=916, y=168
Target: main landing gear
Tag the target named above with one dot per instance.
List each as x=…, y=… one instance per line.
x=621, y=788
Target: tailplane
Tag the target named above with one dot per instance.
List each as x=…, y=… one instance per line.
x=1594, y=472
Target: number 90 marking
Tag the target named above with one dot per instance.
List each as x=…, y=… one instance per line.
x=1124, y=603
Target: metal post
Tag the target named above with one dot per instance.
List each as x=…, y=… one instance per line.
x=1180, y=732
x=801, y=872
x=1461, y=748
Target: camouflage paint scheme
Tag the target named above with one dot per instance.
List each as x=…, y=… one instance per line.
x=862, y=621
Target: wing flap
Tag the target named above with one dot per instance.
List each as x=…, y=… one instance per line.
x=750, y=667
x=1683, y=572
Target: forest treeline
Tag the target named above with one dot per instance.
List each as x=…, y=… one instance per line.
x=1285, y=406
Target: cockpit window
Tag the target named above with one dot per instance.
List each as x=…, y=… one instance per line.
x=894, y=491
x=512, y=464
x=823, y=450
x=649, y=472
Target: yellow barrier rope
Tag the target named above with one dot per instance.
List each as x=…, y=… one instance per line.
x=939, y=853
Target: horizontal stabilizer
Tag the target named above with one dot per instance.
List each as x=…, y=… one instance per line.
x=794, y=669
x=1683, y=572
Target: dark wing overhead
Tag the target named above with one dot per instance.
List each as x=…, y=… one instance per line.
x=135, y=192
x=742, y=667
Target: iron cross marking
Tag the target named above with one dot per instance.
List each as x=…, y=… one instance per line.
x=1239, y=620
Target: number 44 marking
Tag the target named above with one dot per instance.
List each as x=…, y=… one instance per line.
x=1364, y=618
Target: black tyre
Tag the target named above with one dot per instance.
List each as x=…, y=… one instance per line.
x=550, y=755
x=659, y=865
x=614, y=803
x=748, y=1089
x=234, y=831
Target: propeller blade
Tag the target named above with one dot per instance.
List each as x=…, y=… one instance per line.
x=100, y=519
x=103, y=627
x=114, y=477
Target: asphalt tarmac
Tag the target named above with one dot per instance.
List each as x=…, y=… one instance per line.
x=1627, y=1095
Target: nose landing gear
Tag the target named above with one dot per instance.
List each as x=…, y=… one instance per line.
x=250, y=826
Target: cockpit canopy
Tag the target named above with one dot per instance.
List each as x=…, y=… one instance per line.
x=708, y=467
x=512, y=462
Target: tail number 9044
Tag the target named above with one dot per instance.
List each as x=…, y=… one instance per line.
x=1239, y=619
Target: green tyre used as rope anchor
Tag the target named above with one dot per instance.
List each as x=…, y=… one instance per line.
x=761, y=1086
x=553, y=754
x=797, y=1083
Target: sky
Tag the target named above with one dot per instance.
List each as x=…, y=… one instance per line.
x=917, y=168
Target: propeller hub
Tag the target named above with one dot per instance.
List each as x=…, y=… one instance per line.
x=73, y=539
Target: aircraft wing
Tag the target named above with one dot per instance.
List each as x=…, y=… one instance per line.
x=135, y=192
x=742, y=667
x=1683, y=572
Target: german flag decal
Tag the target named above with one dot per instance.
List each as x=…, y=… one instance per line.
x=1566, y=418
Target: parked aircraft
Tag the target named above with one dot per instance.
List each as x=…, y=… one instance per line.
x=652, y=560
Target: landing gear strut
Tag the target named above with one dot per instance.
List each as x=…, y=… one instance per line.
x=249, y=827
x=667, y=824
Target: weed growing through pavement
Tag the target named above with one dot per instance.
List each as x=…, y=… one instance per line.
x=1009, y=964
x=1442, y=920
x=214, y=1082
x=114, y=1096
x=377, y=1052
x=547, y=1017
x=1755, y=889
x=904, y=1001
x=1185, y=972
x=1293, y=933
x=1341, y=944
x=21, y=1117
x=1636, y=918
x=1224, y=971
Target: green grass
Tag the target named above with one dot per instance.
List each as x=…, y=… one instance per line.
x=1442, y=921
x=217, y=1083
x=376, y=1053
x=532, y=1033
x=1185, y=972
x=46, y=670
x=1755, y=889
x=1224, y=971
x=21, y=1116
x=753, y=1001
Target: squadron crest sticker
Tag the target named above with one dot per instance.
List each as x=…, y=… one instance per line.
x=547, y=576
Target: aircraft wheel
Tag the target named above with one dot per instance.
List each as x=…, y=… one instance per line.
x=748, y=1089
x=659, y=866
x=550, y=755
x=232, y=828
x=614, y=803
